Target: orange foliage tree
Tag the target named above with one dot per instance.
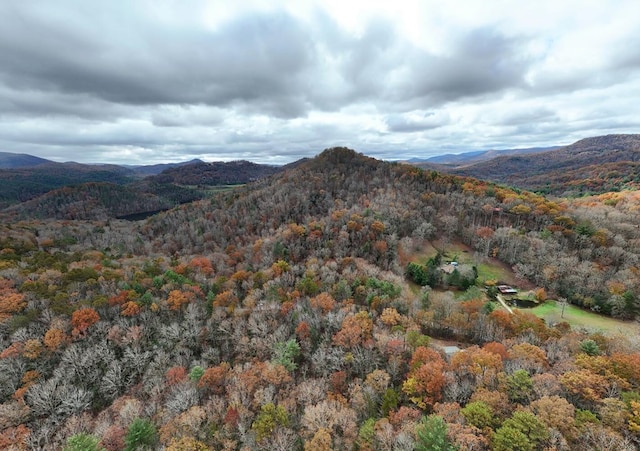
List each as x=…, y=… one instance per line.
x=355, y=330
x=53, y=338
x=426, y=378
x=10, y=301
x=177, y=299
x=82, y=319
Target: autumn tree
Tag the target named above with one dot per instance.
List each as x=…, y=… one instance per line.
x=82, y=319
x=426, y=378
x=557, y=413
x=355, y=330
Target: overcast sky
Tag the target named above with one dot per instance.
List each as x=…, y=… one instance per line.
x=144, y=82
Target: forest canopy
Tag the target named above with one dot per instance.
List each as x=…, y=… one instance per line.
x=289, y=313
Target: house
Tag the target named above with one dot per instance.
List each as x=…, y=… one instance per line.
x=506, y=289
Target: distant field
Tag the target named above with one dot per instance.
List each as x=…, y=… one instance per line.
x=551, y=312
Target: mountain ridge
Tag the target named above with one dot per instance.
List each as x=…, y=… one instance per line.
x=548, y=171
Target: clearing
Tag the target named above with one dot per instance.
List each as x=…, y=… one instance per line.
x=551, y=312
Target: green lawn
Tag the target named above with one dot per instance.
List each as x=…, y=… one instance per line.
x=488, y=271
x=551, y=312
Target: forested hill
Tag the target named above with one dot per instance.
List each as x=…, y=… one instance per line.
x=335, y=197
x=277, y=316
x=101, y=201
x=24, y=183
x=591, y=165
x=22, y=180
x=216, y=173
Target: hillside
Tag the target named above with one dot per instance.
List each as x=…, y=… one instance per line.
x=465, y=158
x=281, y=315
x=101, y=201
x=216, y=173
x=155, y=169
x=21, y=184
x=68, y=190
x=591, y=165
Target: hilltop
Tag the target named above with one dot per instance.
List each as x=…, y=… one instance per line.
x=19, y=160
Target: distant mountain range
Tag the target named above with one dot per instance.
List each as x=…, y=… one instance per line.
x=478, y=155
x=32, y=187
x=589, y=166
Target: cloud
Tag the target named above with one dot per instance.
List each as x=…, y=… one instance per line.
x=416, y=121
x=272, y=81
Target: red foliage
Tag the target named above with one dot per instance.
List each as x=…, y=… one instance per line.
x=303, y=331
x=496, y=348
x=13, y=350
x=423, y=355
x=231, y=417
x=122, y=297
x=113, y=438
x=201, y=264
x=403, y=415
x=14, y=437
x=338, y=382
x=176, y=375
x=130, y=309
x=214, y=378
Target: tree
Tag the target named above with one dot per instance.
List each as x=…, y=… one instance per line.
x=480, y=415
x=187, y=444
x=481, y=364
x=285, y=354
x=355, y=330
x=590, y=347
x=584, y=386
x=82, y=319
x=527, y=423
x=321, y=441
x=142, y=435
x=268, y=419
x=426, y=377
x=519, y=386
x=177, y=299
x=431, y=435
x=508, y=438
x=196, y=373
x=53, y=338
x=83, y=442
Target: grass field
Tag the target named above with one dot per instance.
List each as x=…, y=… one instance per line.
x=551, y=312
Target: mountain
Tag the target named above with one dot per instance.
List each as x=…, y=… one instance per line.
x=216, y=173
x=155, y=169
x=103, y=200
x=21, y=184
x=26, y=183
x=19, y=160
x=591, y=165
x=311, y=310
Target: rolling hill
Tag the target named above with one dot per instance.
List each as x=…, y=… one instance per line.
x=19, y=160
x=48, y=183
x=591, y=165
x=216, y=173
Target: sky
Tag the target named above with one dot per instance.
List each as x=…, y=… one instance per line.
x=272, y=81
